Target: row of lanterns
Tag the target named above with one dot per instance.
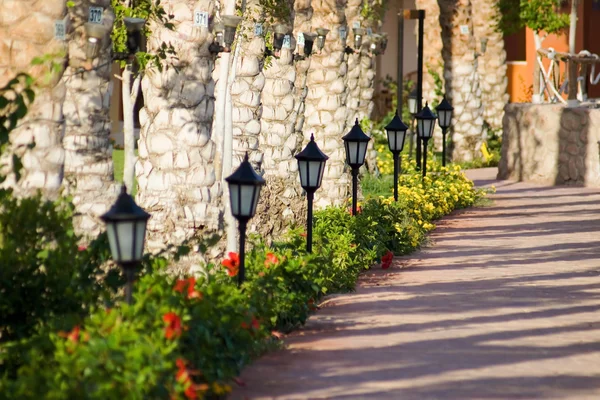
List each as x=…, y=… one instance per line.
x=126, y=221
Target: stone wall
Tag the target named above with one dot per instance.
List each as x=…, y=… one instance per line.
x=175, y=169
x=27, y=31
x=88, y=168
x=551, y=144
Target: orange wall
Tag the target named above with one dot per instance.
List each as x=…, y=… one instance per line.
x=520, y=77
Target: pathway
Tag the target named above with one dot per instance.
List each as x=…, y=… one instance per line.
x=505, y=304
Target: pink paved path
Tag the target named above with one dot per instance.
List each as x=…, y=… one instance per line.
x=504, y=304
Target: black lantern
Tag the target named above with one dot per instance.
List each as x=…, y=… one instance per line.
x=244, y=191
x=309, y=41
x=412, y=102
x=280, y=32
x=425, y=124
x=359, y=33
x=126, y=229
x=321, y=35
x=134, y=28
x=396, y=134
x=95, y=35
x=311, y=166
x=230, y=23
x=444, y=111
x=218, y=44
x=356, y=143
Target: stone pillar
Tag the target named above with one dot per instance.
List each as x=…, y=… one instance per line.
x=282, y=195
x=462, y=79
x=326, y=109
x=492, y=63
x=88, y=152
x=175, y=168
x=246, y=91
x=27, y=31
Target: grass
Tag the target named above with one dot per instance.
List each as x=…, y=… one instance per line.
x=119, y=165
x=375, y=187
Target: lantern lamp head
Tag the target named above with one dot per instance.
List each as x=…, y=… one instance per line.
x=356, y=142
x=396, y=133
x=244, y=190
x=412, y=102
x=311, y=165
x=95, y=36
x=126, y=229
x=230, y=23
x=134, y=28
x=359, y=34
x=444, y=111
x=425, y=122
x=309, y=41
x=280, y=32
x=321, y=35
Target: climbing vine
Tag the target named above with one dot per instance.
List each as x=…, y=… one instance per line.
x=373, y=11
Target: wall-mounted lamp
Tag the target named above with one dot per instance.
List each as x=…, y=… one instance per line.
x=359, y=34
x=224, y=34
x=384, y=42
x=374, y=41
x=309, y=41
x=134, y=28
x=95, y=35
x=321, y=35
x=483, y=43
x=279, y=34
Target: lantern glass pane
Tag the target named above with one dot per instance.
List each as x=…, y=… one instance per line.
x=126, y=238
x=315, y=174
x=304, y=173
x=248, y=200
x=140, y=235
x=112, y=240
x=234, y=197
x=412, y=105
x=429, y=125
x=362, y=153
x=352, y=152
x=445, y=118
x=256, y=196
x=396, y=140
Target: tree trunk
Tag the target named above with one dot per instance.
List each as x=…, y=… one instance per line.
x=130, y=93
x=326, y=104
x=492, y=63
x=176, y=172
x=462, y=80
x=573, y=26
x=282, y=202
x=88, y=153
x=44, y=124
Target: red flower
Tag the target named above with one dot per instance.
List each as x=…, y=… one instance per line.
x=81, y=247
x=73, y=336
x=190, y=283
x=183, y=377
x=232, y=264
x=173, y=328
x=303, y=234
x=255, y=324
x=272, y=259
x=311, y=305
x=386, y=260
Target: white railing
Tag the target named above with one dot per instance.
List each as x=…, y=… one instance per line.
x=554, y=83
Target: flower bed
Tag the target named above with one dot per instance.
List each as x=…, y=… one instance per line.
x=189, y=338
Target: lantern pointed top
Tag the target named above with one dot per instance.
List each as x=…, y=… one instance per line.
x=245, y=174
x=356, y=134
x=124, y=208
x=311, y=152
x=444, y=105
x=426, y=113
x=396, y=124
